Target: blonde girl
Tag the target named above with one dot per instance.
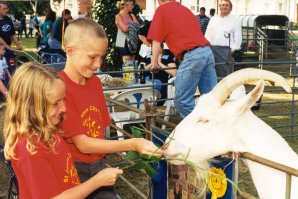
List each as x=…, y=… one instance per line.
x=39, y=156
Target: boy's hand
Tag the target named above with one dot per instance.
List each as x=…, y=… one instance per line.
x=107, y=177
x=144, y=146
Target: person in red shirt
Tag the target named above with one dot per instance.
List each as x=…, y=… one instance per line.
x=40, y=158
x=175, y=25
x=87, y=117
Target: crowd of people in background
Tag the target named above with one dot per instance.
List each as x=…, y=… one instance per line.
x=157, y=44
x=163, y=45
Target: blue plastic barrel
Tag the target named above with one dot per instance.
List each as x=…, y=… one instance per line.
x=159, y=180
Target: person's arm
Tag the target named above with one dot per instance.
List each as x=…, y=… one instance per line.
x=208, y=33
x=94, y=145
x=8, y=73
x=3, y=89
x=5, y=44
x=144, y=40
x=106, y=177
x=120, y=24
x=237, y=37
x=156, y=52
x=157, y=34
x=171, y=72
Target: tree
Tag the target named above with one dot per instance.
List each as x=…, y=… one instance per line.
x=104, y=13
x=40, y=6
x=17, y=9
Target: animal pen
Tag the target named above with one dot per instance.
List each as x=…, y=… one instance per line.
x=280, y=113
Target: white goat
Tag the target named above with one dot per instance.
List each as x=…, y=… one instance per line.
x=217, y=126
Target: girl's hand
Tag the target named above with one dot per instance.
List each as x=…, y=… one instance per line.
x=107, y=177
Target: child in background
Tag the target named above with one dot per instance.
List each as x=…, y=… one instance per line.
x=166, y=60
x=85, y=43
x=4, y=72
x=40, y=158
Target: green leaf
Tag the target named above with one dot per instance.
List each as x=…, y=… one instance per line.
x=149, y=170
x=131, y=155
x=149, y=158
x=139, y=166
x=136, y=132
x=142, y=162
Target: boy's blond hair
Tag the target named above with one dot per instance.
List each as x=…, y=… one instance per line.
x=27, y=108
x=81, y=30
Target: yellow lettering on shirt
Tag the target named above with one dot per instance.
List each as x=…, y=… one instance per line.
x=71, y=176
x=89, y=121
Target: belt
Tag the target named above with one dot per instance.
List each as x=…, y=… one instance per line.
x=181, y=57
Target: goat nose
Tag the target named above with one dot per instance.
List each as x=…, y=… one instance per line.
x=170, y=151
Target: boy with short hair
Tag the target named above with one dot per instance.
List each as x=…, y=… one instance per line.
x=87, y=116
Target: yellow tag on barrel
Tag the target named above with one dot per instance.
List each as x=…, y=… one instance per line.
x=128, y=76
x=217, y=182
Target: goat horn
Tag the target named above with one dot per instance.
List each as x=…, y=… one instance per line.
x=226, y=86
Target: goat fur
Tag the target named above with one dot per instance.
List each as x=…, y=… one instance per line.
x=213, y=129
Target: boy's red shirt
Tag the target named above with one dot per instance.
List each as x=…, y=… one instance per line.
x=86, y=113
x=46, y=173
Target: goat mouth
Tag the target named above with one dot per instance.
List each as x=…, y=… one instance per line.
x=177, y=158
x=176, y=161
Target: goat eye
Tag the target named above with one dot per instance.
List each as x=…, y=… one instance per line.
x=203, y=120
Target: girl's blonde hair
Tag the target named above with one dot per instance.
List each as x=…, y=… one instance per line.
x=121, y=4
x=27, y=108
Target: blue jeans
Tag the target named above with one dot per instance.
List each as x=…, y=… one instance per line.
x=86, y=171
x=196, y=70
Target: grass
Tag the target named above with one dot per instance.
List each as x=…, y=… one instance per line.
x=29, y=44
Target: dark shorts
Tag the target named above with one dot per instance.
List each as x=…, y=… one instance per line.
x=124, y=51
x=86, y=171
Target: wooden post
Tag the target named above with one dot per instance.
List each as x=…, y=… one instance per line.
x=148, y=119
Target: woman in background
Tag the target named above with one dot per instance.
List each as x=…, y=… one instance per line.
x=122, y=20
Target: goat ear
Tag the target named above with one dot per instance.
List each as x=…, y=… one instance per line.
x=252, y=97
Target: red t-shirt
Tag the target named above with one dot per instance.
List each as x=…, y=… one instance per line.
x=178, y=27
x=86, y=113
x=44, y=174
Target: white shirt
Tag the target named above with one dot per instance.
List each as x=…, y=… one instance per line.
x=145, y=51
x=219, y=29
